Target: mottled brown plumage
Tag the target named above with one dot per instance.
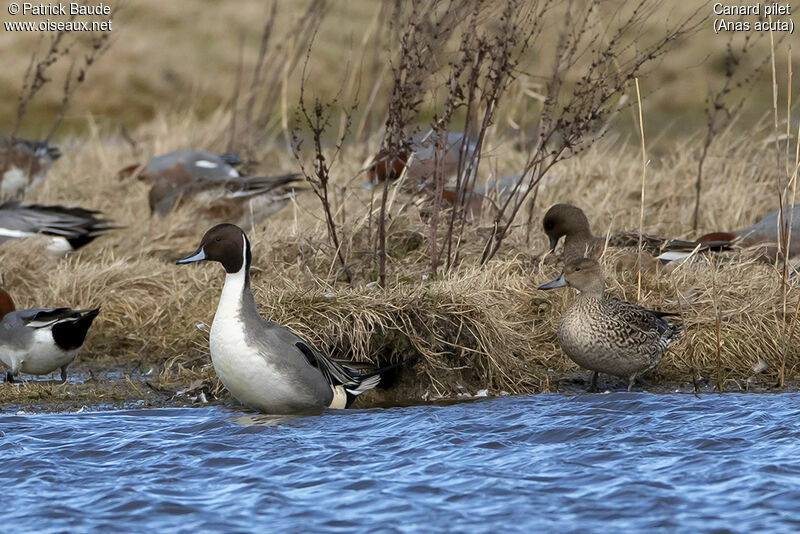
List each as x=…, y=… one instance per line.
x=609, y=335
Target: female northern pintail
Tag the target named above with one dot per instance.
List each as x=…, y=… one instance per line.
x=23, y=165
x=38, y=341
x=68, y=228
x=609, y=335
x=570, y=222
x=264, y=365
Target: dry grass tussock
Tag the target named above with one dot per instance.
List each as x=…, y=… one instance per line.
x=466, y=329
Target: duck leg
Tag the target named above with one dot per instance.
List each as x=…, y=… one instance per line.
x=64, y=373
x=631, y=380
x=593, y=383
x=9, y=377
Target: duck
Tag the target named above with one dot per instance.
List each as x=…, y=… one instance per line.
x=180, y=165
x=763, y=236
x=214, y=180
x=570, y=222
x=69, y=228
x=609, y=336
x=426, y=158
x=24, y=165
x=38, y=341
x=264, y=365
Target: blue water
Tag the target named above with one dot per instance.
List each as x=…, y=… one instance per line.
x=638, y=462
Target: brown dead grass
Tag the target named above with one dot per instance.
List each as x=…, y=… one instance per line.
x=170, y=57
x=465, y=330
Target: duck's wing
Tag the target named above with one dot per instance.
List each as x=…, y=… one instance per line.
x=230, y=188
x=641, y=318
x=657, y=313
x=234, y=159
x=335, y=373
x=77, y=225
x=257, y=185
x=307, y=359
x=44, y=317
x=654, y=245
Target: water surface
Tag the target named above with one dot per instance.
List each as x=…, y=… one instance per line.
x=669, y=463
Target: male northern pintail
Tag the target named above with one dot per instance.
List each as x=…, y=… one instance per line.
x=68, y=228
x=264, y=365
x=764, y=236
x=609, y=335
x=23, y=165
x=214, y=180
x=570, y=222
x=38, y=341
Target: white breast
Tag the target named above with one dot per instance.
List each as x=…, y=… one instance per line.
x=13, y=183
x=242, y=368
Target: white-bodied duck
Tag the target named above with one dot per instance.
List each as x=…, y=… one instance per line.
x=38, y=341
x=263, y=364
x=68, y=228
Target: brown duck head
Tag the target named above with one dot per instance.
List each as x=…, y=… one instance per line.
x=565, y=220
x=585, y=275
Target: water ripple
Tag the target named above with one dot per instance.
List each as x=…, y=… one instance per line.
x=548, y=462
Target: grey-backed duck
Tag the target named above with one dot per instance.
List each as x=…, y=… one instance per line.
x=68, y=228
x=38, y=341
x=764, y=236
x=215, y=182
x=263, y=364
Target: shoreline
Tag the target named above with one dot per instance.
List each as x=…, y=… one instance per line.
x=96, y=386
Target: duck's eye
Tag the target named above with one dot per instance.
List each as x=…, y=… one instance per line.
x=218, y=239
x=577, y=269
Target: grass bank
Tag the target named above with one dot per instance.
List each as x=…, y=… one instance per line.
x=461, y=331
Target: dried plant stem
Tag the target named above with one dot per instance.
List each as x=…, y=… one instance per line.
x=717, y=325
x=774, y=92
x=788, y=240
x=641, y=203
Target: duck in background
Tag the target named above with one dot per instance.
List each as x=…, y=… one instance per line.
x=263, y=364
x=215, y=182
x=571, y=223
x=763, y=237
x=68, y=228
x=24, y=165
x=184, y=165
x=609, y=335
x=38, y=341
x=420, y=160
